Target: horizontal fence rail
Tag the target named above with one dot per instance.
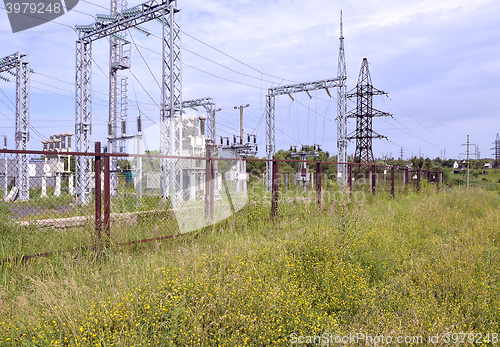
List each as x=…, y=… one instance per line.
x=131, y=200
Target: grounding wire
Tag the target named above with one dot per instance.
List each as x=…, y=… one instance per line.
x=130, y=70
x=147, y=65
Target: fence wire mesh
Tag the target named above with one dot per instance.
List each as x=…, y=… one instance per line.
x=125, y=199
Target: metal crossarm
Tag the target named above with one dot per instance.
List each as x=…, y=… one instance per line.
x=127, y=19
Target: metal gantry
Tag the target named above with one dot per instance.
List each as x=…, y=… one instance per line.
x=271, y=112
x=342, y=113
x=18, y=62
x=209, y=106
x=167, y=13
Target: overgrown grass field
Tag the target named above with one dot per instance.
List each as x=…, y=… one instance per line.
x=423, y=263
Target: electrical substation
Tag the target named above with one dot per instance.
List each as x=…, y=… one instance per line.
x=180, y=136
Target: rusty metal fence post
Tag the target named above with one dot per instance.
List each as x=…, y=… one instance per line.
x=349, y=176
x=275, y=187
x=374, y=179
x=208, y=194
x=107, y=200
x=392, y=181
x=318, y=183
x=98, y=201
x=212, y=188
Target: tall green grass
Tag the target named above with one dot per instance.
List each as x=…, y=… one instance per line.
x=422, y=264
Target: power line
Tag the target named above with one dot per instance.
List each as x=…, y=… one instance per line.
x=237, y=60
x=147, y=65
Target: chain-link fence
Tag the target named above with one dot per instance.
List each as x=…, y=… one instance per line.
x=63, y=201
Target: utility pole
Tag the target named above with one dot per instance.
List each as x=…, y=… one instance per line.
x=241, y=107
x=468, y=152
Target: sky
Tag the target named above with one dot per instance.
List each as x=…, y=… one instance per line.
x=437, y=60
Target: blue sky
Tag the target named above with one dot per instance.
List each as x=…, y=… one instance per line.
x=438, y=60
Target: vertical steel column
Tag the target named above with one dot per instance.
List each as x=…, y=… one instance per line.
x=374, y=178
x=271, y=140
x=98, y=206
x=275, y=187
x=392, y=181
x=83, y=119
x=107, y=201
x=318, y=183
x=114, y=57
x=405, y=176
x=171, y=113
x=341, y=112
x=22, y=125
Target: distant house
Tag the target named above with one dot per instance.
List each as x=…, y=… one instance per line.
x=455, y=165
x=488, y=166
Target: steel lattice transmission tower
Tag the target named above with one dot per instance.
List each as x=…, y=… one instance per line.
x=496, y=148
x=167, y=13
x=342, y=113
x=18, y=62
x=364, y=114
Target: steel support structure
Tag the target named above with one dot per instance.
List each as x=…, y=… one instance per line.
x=342, y=113
x=171, y=104
x=18, y=62
x=496, y=149
x=209, y=106
x=83, y=120
x=123, y=111
x=161, y=10
x=118, y=60
x=271, y=112
x=364, y=114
